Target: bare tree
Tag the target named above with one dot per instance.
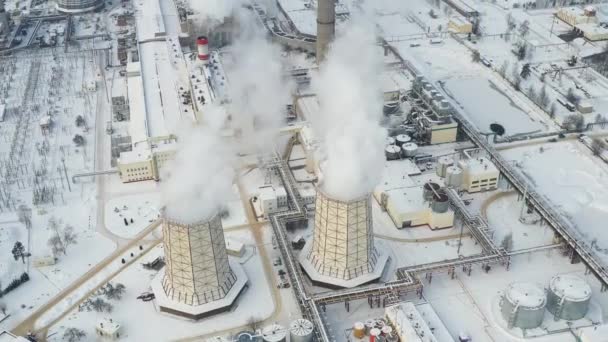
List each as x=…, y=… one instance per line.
x=507, y=242
x=24, y=213
x=73, y=335
x=114, y=291
x=574, y=122
x=69, y=237
x=19, y=251
x=543, y=98
x=56, y=245
x=2, y=306
x=101, y=305
x=475, y=56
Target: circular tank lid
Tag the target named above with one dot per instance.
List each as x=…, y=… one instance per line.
x=374, y=332
x=454, y=169
x=403, y=138
x=302, y=327
x=359, y=325
x=393, y=149
x=571, y=287
x=410, y=146
x=274, y=332
x=525, y=294
x=390, y=140
x=387, y=329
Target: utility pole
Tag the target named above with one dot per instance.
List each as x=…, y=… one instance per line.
x=65, y=172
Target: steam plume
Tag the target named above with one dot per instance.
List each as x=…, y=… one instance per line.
x=350, y=99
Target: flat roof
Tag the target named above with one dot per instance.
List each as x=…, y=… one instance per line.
x=138, y=126
x=150, y=23
x=396, y=175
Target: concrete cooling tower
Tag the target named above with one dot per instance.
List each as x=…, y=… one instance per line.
x=198, y=279
x=342, y=252
x=78, y=6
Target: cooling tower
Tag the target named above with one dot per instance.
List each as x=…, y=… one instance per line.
x=78, y=6
x=198, y=273
x=326, y=26
x=342, y=252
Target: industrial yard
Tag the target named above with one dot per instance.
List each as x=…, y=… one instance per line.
x=303, y=170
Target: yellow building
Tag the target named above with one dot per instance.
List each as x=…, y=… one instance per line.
x=145, y=161
x=592, y=31
x=444, y=133
x=575, y=15
x=460, y=25
x=480, y=174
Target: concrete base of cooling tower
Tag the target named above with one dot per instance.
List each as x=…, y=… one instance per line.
x=196, y=312
x=339, y=283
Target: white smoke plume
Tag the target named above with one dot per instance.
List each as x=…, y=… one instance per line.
x=199, y=183
x=259, y=91
x=350, y=98
x=213, y=10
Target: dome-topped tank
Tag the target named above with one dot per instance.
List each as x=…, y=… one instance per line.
x=568, y=297
x=442, y=164
x=523, y=305
x=301, y=330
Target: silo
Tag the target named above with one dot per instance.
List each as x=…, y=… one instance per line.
x=523, y=305
x=247, y=336
x=453, y=176
x=390, y=141
x=359, y=330
x=301, y=330
x=568, y=297
x=440, y=203
x=274, y=333
x=78, y=6
x=392, y=152
x=429, y=190
x=410, y=149
x=402, y=139
x=442, y=164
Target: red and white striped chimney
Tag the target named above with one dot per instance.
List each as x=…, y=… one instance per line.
x=202, y=44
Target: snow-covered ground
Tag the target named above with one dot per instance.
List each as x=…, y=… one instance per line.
x=574, y=181
x=141, y=321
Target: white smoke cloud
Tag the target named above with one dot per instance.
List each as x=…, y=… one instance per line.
x=214, y=10
x=259, y=91
x=199, y=182
x=350, y=97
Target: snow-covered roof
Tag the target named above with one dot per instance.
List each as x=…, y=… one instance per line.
x=479, y=165
x=108, y=325
x=396, y=175
x=596, y=333
x=409, y=323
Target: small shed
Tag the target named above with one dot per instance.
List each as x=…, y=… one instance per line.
x=107, y=328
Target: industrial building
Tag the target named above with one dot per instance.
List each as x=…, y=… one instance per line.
x=479, y=174
x=272, y=199
x=78, y=6
x=459, y=24
x=412, y=325
x=592, y=31
x=576, y=15
x=107, y=328
x=432, y=113
x=342, y=252
x=411, y=201
x=198, y=279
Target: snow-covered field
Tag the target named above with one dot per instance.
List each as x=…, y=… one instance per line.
x=574, y=181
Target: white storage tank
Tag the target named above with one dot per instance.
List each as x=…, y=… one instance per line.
x=523, y=305
x=390, y=141
x=274, y=333
x=453, y=176
x=409, y=149
x=402, y=139
x=301, y=330
x=568, y=297
x=442, y=165
x=392, y=152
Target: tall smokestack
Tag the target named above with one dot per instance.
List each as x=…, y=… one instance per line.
x=326, y=26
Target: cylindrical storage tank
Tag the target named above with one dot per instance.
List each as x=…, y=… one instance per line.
x=442, y=164
x=453, y=176
x=523, y=305
x=301, y=330
x=274, y=333
x=402, y=139
x=392, y=152
x=369, y=325
x=374, y=333
x=409, y=149
x=390, y=141
x=429, y=189
x=202, y=46
x=440, y=203
x=359, y=330
x=568, y=297
x=247, y=336
x=387, y=330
